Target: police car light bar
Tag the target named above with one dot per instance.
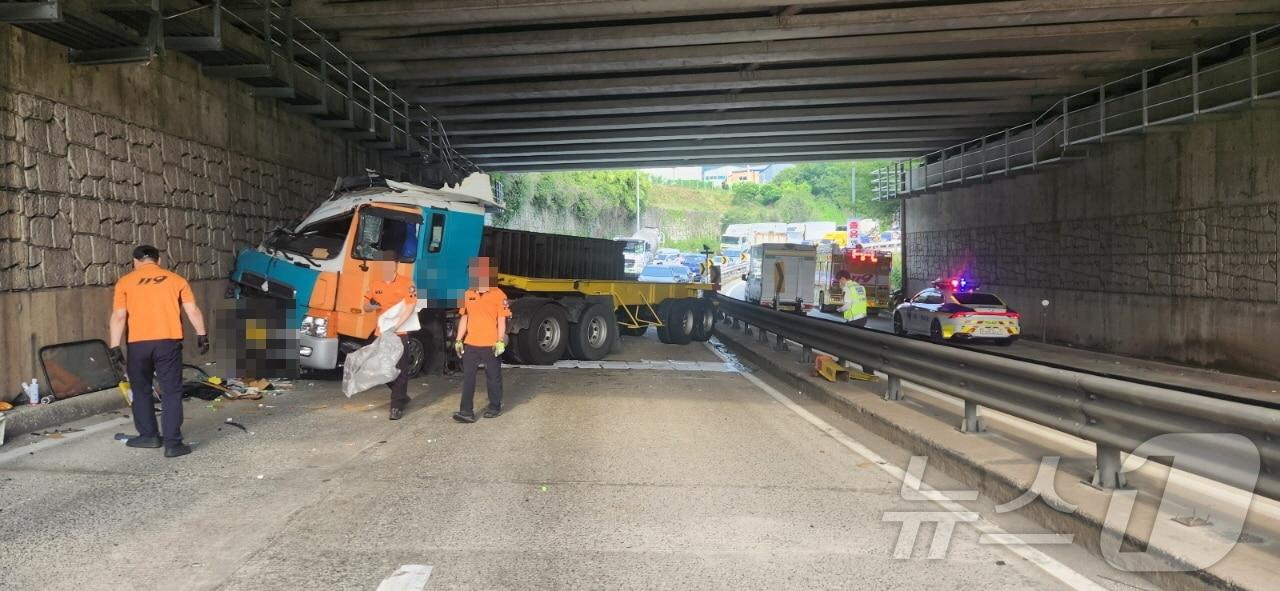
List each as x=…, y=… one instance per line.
x=956, y=284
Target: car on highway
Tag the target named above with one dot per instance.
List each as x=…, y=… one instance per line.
x=665, y=274
x=954, y=310
x=693, y=261
x=667, y=256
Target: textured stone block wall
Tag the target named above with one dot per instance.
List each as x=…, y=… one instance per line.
x=78, y=190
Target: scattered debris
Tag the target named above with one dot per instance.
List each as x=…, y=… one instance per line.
x=121, y=437
x=260, y=476
x=5, y=406
x=237, y=425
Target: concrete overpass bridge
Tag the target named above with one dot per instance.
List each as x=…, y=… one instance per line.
x=1119, y=160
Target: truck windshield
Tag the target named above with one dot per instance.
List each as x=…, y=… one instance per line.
x=321, y=240
x=730, y=239
x=633, y=246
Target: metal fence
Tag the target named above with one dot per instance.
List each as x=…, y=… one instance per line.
x=1227, y=76
x=1117, y=415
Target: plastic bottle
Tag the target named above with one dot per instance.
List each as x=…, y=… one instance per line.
x=32, y=391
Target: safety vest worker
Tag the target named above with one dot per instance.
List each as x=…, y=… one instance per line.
x=147, y=302
x=854, y=307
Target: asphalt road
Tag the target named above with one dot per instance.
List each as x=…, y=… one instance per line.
x=659, y=475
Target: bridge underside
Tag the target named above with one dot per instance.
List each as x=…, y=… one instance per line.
x=540, y=85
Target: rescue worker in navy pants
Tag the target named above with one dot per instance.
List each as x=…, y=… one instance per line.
x=149, y=302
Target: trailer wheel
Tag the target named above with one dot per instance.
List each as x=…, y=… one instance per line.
x=544, y=342
x=677, y=327
x=592, y=336
x=704, y=320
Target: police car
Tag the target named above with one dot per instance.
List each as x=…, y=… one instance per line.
x=954, y=309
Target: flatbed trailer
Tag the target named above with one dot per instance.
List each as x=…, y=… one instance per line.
x=583, y=318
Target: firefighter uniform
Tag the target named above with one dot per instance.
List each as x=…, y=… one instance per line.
x=482, y=309
x=387, y=294
x=153, y=297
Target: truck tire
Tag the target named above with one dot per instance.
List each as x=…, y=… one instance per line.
x=416, y=348
x=591, y=337
x=546, y=339
x=677, y=326
x=704, y=320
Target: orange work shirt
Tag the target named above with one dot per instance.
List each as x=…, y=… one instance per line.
x=389, y=293
x=482, y=311
x=153, y=298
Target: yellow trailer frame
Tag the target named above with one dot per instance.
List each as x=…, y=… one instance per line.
x=626, y=294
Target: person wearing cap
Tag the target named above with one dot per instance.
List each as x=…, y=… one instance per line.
x=384, y=294
x=482, y=332
x=149, y=302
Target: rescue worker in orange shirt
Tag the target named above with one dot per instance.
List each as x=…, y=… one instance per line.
x=383, y=295
x=147, y=302
x=482, y=338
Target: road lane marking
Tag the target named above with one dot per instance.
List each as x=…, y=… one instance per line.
x=647, y=364
x=1047, y=564
x=410, y=577
x=24, y=450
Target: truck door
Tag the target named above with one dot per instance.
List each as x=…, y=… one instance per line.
x=383, y=238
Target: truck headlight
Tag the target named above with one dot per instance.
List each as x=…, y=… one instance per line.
x=316, y=327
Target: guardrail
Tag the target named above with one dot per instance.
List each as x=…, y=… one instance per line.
x=738, y=269
x=1226, y=76
x=1117, y=415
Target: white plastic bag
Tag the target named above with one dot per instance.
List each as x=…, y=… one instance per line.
x=375, y=363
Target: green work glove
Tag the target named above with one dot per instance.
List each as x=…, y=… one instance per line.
x=457, y=348
x=499, y=348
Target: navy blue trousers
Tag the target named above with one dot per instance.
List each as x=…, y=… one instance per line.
x=160, y=361
x=472, y=357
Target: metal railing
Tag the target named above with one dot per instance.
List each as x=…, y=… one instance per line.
x=1224, y=77
x=1117, y=415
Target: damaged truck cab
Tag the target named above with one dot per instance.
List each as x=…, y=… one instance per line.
x=367, y=228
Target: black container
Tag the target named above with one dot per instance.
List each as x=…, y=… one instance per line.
x=553, y=256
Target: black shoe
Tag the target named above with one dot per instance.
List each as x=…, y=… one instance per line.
x=464, y=417
x=396, y=413
x=176, y=450
x=492, y=413
x=140, y=441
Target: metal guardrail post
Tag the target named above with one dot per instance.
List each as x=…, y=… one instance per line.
x=1066, y=122
x=1033, y=144
x=780, y=344
x=1007, y=136
x=984, y=157
x=1253, y=65
x=893, y=388
x=1146, y=101
x=972, y=422
x=1102, y=111
x=1108, y=473
x=1195, y=83
x=762, y=335
x=806, y=354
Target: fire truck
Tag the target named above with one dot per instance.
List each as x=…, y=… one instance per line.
x=870, y=268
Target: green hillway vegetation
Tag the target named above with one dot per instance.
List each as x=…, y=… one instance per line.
x=817, y=191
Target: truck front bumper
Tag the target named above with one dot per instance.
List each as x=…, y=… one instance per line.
x=317, y=352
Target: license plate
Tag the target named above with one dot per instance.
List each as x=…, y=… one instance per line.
x=992, y=332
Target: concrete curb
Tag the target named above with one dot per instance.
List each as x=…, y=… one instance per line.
x=958, y=463
x=27, y=419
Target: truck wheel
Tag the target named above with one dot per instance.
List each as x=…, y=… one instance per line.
x=544, y=342
x=704, y=320
x=512, y=354
x=677, y=327
x=592, y=336
x=416, y=347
